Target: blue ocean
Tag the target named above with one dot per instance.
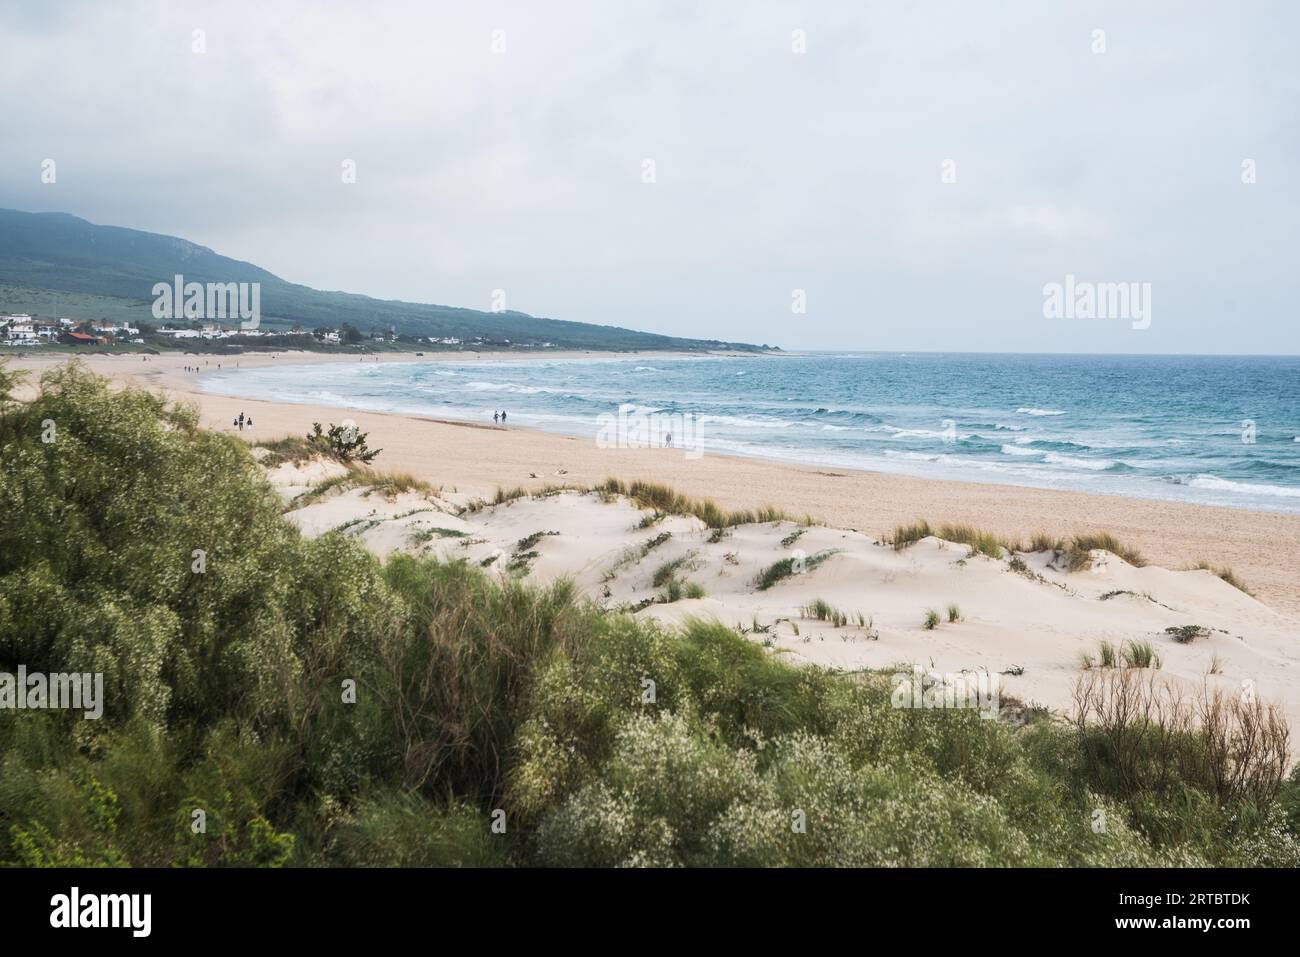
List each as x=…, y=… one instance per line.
x=1214, y=430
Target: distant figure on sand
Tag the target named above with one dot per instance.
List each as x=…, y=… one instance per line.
x=496, y=417
x=503, y=416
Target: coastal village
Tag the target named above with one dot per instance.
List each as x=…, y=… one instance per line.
x=23, y=330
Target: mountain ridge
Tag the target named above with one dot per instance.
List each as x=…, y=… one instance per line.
x=60, y=254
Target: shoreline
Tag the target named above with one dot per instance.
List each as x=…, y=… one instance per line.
x=472, y=458
x=822, y=467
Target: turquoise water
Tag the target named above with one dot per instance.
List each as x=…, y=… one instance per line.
x=1149, y=426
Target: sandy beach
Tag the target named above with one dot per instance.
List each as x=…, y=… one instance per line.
x=476, y=458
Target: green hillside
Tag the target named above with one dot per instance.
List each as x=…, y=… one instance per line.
x=54, y=263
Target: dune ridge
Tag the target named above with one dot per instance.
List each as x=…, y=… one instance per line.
x=831, y=596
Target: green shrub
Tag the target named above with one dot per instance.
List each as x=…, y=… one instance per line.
x=1185, y=634
x=343, y=442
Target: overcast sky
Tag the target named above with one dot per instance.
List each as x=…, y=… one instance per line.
x=774, y=170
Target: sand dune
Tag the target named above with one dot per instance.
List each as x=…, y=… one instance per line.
x=1030, y=627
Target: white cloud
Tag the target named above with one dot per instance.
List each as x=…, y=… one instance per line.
x=775, y=170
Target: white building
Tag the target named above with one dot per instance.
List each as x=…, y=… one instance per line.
x=21, y=331
x=125, y=329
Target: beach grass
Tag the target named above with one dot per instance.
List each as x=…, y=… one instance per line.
x=664, y=499
x=667, y=571
x=1140, y=654
x=1076, y=550
x=1078, y=554
x=822, y=610
x=291, y=448
x=1225, y=573
x=981, y=542
x=783, y=569
x=388, y=484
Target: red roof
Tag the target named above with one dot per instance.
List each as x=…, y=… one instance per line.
x=81, y=337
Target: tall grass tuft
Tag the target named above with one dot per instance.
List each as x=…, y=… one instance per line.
x=1079, y=553
x=1140, y=654
x=822, y=610
x=662, y=498
x=981, y=541
x=1226, y=573
x=905, y=535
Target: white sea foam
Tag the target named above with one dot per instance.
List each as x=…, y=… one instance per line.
x=1029, y=410
x=1226, y=485
x=1094, y=465
x=913, y=456
x=743, y=423
x=511, y=388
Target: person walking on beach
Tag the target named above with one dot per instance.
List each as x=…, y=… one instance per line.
x=503, y=416
x=496, y=417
